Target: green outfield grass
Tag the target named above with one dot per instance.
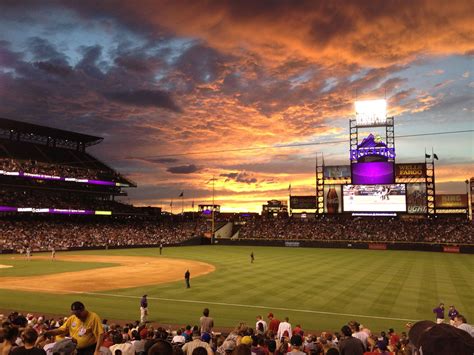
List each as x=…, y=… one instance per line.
x=321, y=289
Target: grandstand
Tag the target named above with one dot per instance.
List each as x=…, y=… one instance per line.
x=48, y=168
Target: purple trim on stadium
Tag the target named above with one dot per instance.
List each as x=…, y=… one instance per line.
x=59, y=178
x=45, y=210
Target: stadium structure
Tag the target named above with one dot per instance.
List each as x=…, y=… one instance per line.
x=50, y=184
x=48, y=171
x=374, y=183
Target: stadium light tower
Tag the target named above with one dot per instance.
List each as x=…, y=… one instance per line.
x=371, y=112
x=213, y=211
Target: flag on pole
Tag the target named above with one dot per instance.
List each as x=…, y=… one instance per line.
x=192, y=204
x=427, y=156
x=435, y=156
x=171, y=203
x=289, y=187
x=181, y=194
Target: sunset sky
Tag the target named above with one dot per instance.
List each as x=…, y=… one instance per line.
x=178, y=88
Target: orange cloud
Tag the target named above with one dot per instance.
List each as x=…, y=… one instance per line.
x=366, y=33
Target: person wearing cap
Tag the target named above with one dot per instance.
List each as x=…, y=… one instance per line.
x=439, y=311
x=228, y=346
x=187, y=277
x=189, y=347
x=84, y=327
x=296, y=341
x=452, y=312
x=143, y=309
x=246, y=340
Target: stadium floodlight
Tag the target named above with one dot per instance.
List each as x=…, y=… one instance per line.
x=371, y=112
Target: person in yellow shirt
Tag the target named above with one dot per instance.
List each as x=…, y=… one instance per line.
x=85, y=329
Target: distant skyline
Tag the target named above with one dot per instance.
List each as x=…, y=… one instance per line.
x=162, y=79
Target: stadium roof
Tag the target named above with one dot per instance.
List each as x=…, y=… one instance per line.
x=30, y=128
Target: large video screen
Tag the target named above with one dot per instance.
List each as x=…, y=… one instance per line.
x=374, y=198
x=373, y=173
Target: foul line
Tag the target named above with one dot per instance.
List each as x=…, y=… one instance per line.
x=226, y=304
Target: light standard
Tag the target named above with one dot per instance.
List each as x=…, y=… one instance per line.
x=213, y=208
x=469, y=197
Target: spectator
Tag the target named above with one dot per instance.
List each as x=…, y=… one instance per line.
x=84, y=327
x=206, y=322
x=29, y=337
x=189, y=347
x=350, y=345
x=460, y=322
x=284, y=329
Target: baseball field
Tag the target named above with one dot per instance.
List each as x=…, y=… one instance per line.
x=321, y=289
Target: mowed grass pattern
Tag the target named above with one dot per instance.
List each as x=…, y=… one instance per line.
x=321, y=289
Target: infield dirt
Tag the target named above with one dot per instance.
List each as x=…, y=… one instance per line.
x=131, y=271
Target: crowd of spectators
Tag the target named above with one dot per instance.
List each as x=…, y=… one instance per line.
x=62, y=200
x=361, y=229
x=274, y=337
x=62, y=170
x=62, y=234
x=40, y=234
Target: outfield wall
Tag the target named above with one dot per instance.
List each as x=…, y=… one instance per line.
x=343, y=244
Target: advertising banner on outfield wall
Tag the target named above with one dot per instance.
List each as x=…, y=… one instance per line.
x=417, y=170
x=451, y=201
x=332, y=199
x=416, y=198
x=336, y=172
x=303, y=202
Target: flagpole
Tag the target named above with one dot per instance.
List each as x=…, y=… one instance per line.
x=182, y=203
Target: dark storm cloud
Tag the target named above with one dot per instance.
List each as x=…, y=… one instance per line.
x=144, y=98
x=201, y=63
x=54, y=68
x=184, y=169
x=156, y=160
x=42, y=49
x=133, y=63
x=242, y=177
x=8, y=58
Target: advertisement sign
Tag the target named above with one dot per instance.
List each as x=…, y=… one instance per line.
x=372, y=173
x=377, y=246
x=451, y=201
x=303, y=202
x=410, y=170
x=416, y=198
x=333, y=199
x=374, y=198
x=337, y=172
x=451, y=249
